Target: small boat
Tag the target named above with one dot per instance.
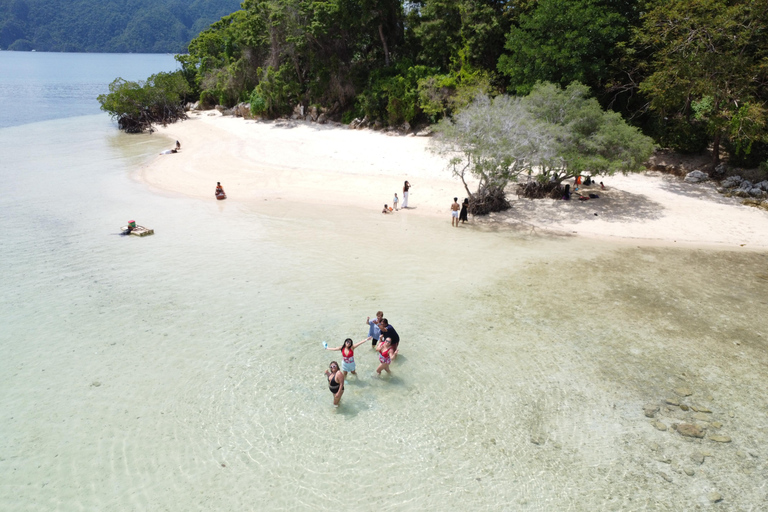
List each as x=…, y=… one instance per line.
x=138, y=231
x=221, y=196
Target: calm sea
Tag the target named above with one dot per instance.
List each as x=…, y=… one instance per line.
x=183, y=371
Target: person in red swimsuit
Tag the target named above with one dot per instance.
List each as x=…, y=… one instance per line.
x=385, y=356
x=348, y=355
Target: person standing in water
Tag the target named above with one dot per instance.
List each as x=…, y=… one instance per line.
x=406, y=188
x=373, y=328
x=219, y=189
x=335, y=382
x=389, y=334
x=385, y=357
x=348, y=355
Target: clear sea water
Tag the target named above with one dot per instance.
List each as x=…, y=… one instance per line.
x=183, y=371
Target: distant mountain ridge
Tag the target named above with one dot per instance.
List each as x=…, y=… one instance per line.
x=110, y=26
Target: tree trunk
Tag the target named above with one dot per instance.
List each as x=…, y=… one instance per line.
x=716, y=149
x=384, y=44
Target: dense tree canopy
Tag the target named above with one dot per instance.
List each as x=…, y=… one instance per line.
x=138, y=26
x=709, y=66
x=691, y=74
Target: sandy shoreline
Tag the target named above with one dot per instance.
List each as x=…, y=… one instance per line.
x=317, y=164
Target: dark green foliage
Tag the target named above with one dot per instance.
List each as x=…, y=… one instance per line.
x=138, y=105
x=392, y=94
x=138, y=26
x=562, y=41
x=709, y=62
x=680, y=134
x=758, y=153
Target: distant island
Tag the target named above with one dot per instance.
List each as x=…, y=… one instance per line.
x=130, y=26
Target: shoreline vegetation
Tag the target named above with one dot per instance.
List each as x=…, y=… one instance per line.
x=264, y=163
x=499, y=84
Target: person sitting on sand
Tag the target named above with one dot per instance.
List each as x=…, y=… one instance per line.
x=168, y=151
x=335, y=382
x=386, y=209
x=348, y=355
x=219, y=189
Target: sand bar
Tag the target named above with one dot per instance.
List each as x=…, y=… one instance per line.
x=322, y=164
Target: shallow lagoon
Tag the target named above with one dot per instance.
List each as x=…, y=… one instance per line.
x=183, y=371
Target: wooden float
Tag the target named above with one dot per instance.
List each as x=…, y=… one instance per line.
x=138, y=231
x=221, y=196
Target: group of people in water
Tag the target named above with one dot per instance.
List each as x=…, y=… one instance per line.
x=396, y=200
x=384, y=340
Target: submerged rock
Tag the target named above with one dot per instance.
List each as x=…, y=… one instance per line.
x=650, y=410
x=690, y=430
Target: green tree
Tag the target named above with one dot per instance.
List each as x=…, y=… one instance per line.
x=553, y=133
x=562, y=41
x=709, y=65
x=138, y=105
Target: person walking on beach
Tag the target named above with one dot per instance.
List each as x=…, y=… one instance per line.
x=464, y=208
x=389, y=334
x=455, y=212
x=335, y=382
x=348, y=355
x=373, y=328
x=385, y=357
x=395, y=201
x=406, y=188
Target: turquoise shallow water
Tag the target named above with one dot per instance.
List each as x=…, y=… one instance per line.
x=183, y=371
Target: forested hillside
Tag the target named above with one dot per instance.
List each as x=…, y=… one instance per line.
x=149, y=26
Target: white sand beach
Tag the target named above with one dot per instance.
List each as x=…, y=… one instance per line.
x=321, y=164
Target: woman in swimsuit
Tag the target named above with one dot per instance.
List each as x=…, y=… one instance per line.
x=385, y=357
x=388, y=333
x=335, y=382
x=348, y=355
